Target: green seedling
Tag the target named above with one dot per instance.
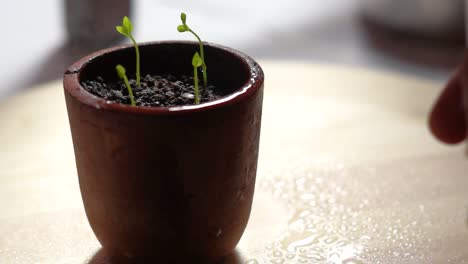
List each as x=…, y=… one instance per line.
x=185, y=28
x=121, y=72
x=126, y=29
x=197, y=62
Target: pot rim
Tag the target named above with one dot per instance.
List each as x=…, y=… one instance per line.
x=73, y=87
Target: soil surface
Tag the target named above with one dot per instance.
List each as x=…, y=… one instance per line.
x=155, y=91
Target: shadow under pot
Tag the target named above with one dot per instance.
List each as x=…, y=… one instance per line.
x=167, y=182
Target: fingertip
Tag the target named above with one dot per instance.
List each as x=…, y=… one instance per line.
x=447, y=117
x=445, y=130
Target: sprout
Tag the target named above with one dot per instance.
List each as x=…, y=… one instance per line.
x=184, y=28
x=121, y=72
x=126, y=30
x=197, y=62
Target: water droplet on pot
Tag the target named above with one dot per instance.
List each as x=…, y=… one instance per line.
x=188, y=95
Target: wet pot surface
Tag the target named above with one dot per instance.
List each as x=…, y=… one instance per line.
x=156, y=181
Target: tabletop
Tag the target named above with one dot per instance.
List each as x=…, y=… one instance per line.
x=348, y=173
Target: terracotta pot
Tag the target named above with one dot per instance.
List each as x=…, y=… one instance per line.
x=161, y=182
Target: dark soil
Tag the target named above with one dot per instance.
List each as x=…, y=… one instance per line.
x=155, y=90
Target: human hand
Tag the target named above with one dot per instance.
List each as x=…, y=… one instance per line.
x=447, y=119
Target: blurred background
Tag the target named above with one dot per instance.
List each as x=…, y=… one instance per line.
x=424, y=38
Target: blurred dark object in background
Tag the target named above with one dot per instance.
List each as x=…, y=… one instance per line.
x=429, y=32
x=90, y=24
x=428, y=18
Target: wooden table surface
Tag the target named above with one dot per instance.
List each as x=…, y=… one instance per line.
x=348, y=173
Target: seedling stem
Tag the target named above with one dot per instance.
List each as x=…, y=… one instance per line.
x=196, y=63
x=126, y=29
x=183, y=28
x=121, y=72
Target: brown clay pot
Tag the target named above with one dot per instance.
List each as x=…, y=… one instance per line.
x=167, y=182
